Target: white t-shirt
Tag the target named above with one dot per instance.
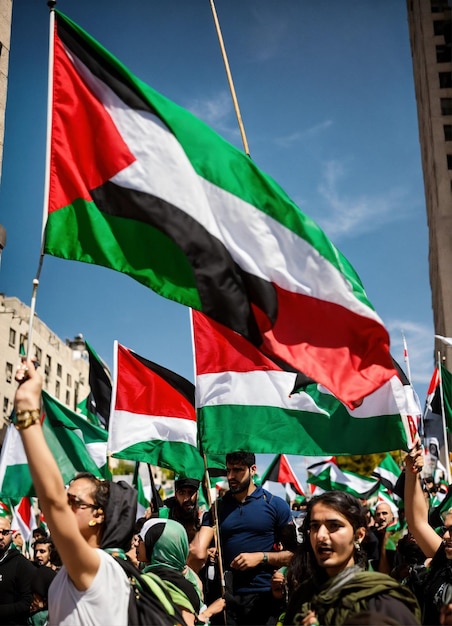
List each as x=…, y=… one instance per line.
x=105, y=602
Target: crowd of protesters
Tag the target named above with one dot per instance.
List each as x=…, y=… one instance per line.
x=329, y=559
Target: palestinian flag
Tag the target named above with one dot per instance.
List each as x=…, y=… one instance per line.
x=329, y=477
x=99, y=399
x=24, y=519
x=388, y=472
x=141, y=186
x=76, y=445
x=244, y=402
x=5, y=509
x=153, y=417
x=83, y=445
x=433, y=400
x=280, y=471
x=446, y=383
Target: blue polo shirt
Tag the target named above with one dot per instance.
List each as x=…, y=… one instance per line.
x=253, y=525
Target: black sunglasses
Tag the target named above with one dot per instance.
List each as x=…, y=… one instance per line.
x=5, y=532
x=77, y=503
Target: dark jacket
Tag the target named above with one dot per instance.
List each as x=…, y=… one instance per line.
x=351, y=592
x=437, y=586
x=16, y=573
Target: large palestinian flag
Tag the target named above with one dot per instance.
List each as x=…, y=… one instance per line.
x=244, y=402
x=153, y=417
x=140, y=185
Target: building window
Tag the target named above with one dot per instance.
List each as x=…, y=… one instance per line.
x=438, y=6
x=68, y=398
x=449, y=161
x=59, y=370
x=9, y=372
x=447, y=132
x=38, y=354
x=22, y=343
x=438, y=27
x=443, y=54
x=445, y=80
x=446, y=106
x=12, y=337
x=5, y=404
x=57, y=389
x=69, y=380
x=48, y=365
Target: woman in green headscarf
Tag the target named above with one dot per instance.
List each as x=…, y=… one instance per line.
x=163, y=548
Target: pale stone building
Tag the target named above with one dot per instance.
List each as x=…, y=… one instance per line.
x=5, y=40
x=64, y=364
x=430, y=24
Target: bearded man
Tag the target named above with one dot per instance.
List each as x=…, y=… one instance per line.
x=256, y=528
x=183, y=506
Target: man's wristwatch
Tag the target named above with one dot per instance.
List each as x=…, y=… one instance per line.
x=24, y=419
x=265, y=558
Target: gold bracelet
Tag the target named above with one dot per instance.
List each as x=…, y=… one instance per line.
x=29, y=418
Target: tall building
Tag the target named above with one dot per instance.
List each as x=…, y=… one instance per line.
x=6, y=7
x=430, y=23
x=64, y=364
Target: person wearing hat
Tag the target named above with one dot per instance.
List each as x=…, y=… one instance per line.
x=183, y=506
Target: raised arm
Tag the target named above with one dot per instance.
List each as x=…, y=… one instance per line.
x=80, y=559
x=198, y=548
x=416, y=508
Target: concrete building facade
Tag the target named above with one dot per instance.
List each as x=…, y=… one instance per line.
x=430, y=24
x=6, y=7
x=64, y=364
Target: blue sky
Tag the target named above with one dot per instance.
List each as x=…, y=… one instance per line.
x=327, y=100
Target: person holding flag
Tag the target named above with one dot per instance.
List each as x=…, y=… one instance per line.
x=90, y=521
x=251, y=522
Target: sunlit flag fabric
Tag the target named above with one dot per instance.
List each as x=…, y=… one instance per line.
x=388, y=472
x=24, y=519
x=153, y=416
x=280, y=471
x=446, y=383
x=329, y=477
x=140, y=185
x=76, y=445
x=99, y=399
x=244, y=400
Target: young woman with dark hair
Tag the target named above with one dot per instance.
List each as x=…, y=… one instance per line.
x=328, y=576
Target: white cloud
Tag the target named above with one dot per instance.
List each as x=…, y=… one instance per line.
x=269, y=35
x=288, y=140
x=216, y=112
x=348, y=216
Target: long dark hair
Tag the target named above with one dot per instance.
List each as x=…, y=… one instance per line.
x=304, y=564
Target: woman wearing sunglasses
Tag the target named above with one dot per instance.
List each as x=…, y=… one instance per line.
x=91, y=589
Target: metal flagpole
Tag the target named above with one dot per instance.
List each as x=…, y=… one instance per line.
x=443, y=416
x=229, y=76
x=51, y=4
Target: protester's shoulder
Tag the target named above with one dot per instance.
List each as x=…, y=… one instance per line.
x=170, y=502
x=20, y=559
x=278, y=503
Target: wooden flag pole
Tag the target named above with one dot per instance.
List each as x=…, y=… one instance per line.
x=229, y=77
x=216, y=531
